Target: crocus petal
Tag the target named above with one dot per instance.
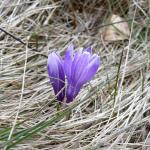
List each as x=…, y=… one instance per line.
x=71, y=93
x=68, y=60
x=84, y=68
x=89, y=49
x=56, y=74
x=78, y=65
x=89, y=71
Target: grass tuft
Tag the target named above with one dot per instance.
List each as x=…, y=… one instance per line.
x=110, y=112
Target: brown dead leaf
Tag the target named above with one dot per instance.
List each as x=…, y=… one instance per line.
x=116, y=31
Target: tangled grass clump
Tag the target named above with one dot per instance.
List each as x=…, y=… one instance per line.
x=110, y=112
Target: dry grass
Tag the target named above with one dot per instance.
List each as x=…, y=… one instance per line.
x=111, y=112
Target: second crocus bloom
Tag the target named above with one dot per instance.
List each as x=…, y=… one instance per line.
x=78, y=68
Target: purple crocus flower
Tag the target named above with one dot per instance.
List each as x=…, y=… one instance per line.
x=78, y=68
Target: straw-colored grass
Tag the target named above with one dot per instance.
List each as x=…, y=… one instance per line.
x=111, y=112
